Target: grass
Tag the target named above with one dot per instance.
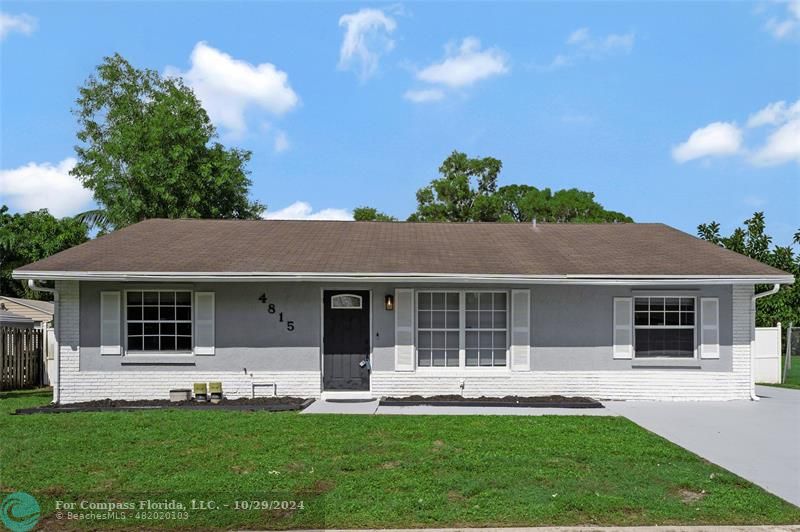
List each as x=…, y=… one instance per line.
x=372, y=471
x=792, y=376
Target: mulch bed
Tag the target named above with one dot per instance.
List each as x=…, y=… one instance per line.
x=547, y=401
x=270, y=404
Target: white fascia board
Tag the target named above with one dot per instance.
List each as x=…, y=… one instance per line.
x=635, y=280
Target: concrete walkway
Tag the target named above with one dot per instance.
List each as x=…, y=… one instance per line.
x=757, y=440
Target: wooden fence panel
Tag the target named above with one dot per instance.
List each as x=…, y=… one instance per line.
x=21, y=358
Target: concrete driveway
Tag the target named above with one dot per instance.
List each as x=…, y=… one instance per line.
x=757, y=440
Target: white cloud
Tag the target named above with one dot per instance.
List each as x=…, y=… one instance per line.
x=787, y=24
x=774, y=114
x=22, y=23
x=301, y=210
x=782, y=146
x=227, y=87
x=366, y=39
x=783, y=143
x=714, y=140
x=281, y=143
x=465, y=65
x=45, y=186
x=423, y=95
x=578, y=36
x=582, y=44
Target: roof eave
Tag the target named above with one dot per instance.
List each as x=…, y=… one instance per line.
x=599, y=279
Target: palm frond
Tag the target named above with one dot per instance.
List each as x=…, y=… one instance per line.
x=95, y=218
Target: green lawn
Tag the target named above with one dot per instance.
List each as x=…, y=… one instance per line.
x=372, y=471
x=792, y=377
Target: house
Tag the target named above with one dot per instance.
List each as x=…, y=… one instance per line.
x=40, y=314
x=9, y=319
x=352, y=309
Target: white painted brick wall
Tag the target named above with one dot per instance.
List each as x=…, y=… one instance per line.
x=79, y=385
x=645, y=384
x=642, y=384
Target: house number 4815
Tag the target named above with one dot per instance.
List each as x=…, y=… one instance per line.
x=272, y=310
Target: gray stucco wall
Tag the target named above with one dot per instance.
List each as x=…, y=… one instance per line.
x=571, y=327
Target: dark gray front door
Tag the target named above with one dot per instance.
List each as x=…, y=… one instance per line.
x=346, y=340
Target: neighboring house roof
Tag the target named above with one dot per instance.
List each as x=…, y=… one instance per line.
x=9, y=318
x=282, y=249
x=30, y=308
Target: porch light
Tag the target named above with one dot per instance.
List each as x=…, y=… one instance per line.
x=388, y=302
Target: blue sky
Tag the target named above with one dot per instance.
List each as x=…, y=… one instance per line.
x=678, y=112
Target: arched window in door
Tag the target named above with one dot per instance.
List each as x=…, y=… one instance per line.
x=346, y=301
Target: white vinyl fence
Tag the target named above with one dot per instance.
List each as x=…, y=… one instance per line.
x=767, y=355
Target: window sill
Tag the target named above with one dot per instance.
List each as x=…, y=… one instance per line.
x=158, y=361
x=691, y=363
x=153, y=358
x=462, y=371
x=176, y=354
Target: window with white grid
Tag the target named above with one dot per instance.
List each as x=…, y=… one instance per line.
x=462, y=328
x=438, y=329
x=664, y=326
x=486, y=319
x=159, y=320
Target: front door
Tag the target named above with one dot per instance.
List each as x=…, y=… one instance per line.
x=346, y=340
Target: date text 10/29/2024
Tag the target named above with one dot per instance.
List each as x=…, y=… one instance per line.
x=192, y=504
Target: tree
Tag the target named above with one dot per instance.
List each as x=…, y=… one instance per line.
x=523, y=203
x=25, y=238
x=753, y=241
x=371, y=214
x=453, y=198
x=146, y=151
x=468, y=192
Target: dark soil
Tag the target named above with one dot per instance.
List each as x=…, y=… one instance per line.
x=245, y=401
x=273, y=404
x=551, y=401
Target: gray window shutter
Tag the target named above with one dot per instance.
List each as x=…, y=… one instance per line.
x=110, y=323
x=404, y=329
x=204, y=323
x=520, y=330
x=623, y=327
x=709, y=329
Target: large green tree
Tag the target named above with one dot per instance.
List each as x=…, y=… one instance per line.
x=523, y=203
x=25, y=238
x=752, y=240
x=147, y=151
x=464, y=192
x=467, y=191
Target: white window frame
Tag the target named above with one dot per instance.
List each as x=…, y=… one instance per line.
x=462, y=367
x=145, y=353
x=685, y=327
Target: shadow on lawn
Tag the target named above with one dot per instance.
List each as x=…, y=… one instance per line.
x=33, y=392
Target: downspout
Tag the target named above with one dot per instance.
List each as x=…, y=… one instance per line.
x=56, y=319
x=771, y=291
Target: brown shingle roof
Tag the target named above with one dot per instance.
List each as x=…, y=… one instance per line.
x=272, y=246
